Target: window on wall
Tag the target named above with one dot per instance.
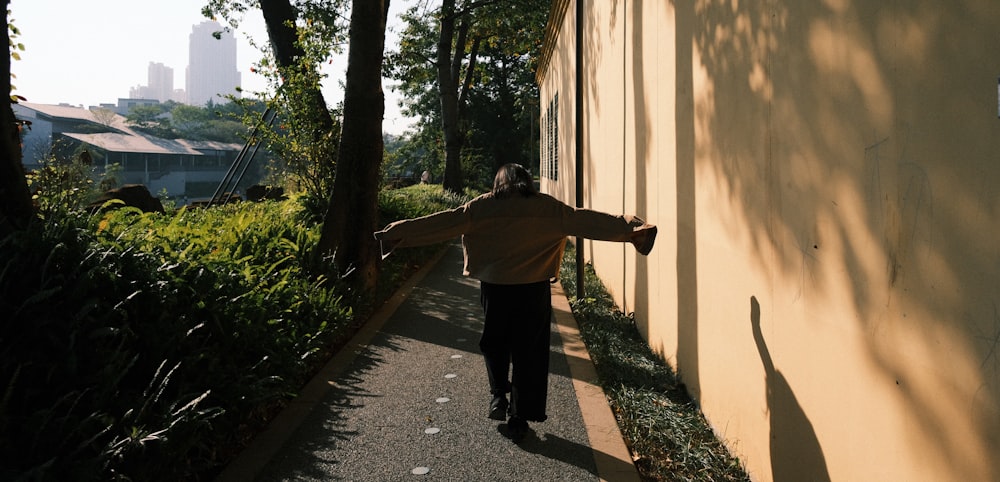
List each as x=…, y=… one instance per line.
x=543, y=145
x=555, y=137
x=550, y=140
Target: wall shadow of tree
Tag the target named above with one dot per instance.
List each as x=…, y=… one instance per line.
x=824, y=125
x=795, y=451
x=823, y=131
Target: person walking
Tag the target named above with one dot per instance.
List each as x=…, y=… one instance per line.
x=513, y=238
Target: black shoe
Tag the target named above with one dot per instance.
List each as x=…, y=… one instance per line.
x=517, y=429
x=498, y=407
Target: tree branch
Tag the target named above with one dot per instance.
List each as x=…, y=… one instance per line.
x=456, y=62
x=469, y=71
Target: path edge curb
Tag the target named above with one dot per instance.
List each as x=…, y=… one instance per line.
x=614, y=462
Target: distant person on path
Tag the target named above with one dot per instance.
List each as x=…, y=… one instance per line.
x=513, y=238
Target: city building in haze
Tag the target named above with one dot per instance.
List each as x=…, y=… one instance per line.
x=124, y=106
x=160, y=84
x=211, y=71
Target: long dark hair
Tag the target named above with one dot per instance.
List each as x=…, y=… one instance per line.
x=513, y=178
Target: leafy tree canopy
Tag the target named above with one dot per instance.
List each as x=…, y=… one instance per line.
x=172, y=120
x=500, y=116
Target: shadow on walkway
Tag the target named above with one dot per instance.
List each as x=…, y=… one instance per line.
x=408, y=396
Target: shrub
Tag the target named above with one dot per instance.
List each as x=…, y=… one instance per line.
x=151, y=347
x=140, y=344
x=418, y=200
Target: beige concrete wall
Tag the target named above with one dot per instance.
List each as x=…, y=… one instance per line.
x=827, y=276
x=604, y=131
x=559, y=79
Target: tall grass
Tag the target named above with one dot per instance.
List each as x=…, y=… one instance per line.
x=152, y=347
x=418, y=200
x=668, y=436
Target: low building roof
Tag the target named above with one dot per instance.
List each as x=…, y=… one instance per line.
x=127, y=139
x=61, y=111
x=114, y=142
x=69, y=112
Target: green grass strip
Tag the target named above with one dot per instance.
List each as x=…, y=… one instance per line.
x=664, y=429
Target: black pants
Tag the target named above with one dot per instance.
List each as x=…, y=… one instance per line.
x=516, y=333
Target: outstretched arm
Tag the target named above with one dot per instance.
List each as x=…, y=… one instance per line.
x=431, y=229
x=600, y=226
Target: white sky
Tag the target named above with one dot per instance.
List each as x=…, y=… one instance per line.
x=88, y=52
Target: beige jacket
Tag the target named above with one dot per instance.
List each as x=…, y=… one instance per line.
x=514, y=240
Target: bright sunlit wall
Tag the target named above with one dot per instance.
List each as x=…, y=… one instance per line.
x=824, y=176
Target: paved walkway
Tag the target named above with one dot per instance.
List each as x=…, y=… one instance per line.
x=407, y=400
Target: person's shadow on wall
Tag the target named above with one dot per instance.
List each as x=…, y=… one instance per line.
x=795, y=451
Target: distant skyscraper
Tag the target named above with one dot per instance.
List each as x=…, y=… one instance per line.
x=161, y=82
x=138, y=92
x=211, y=65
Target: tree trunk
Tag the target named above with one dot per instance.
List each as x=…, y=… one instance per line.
x=352, y=215
x=279, y=16
x=504, y=150
x=16, y=210
x=454, y=97
x=448, y=84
